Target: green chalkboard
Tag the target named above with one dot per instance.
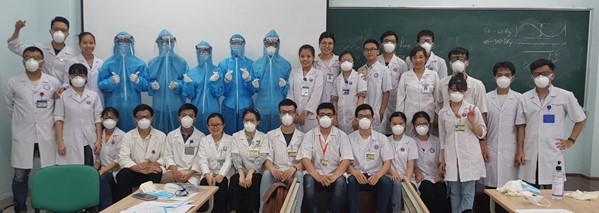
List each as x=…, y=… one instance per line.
x=519, y=36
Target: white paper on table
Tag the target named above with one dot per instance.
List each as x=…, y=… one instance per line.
x=542, y=211
x=159, y=207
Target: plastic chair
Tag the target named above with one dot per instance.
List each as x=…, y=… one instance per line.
x=66, y=188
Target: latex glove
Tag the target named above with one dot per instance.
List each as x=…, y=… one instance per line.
x=173, y=85
x=228, y=76
x=256, y=83
x=186, y=79
x=214, y=77
x=245, y=74
x=155, y=85
x=134, y=77
x=116, y=79
x=282, y=82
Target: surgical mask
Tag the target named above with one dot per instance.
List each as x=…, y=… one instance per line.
x=389, y=47
x=347, y=66
x=109, y=123
x=32, y=65
x=125, y=48
x=144, y=123
x=186, y=122
x=78, y=81
x=364, y=123
x=249, y=126
x=458, y=66
x=503, y=82
x=456, y=97
x=397, y=129
x=236, y=48
x=422, y=130
x=542, y=81
x=427, y=46
x=204, y=57
x=287, y=119
x=270, y=50
x=325, y=122
x=58, y=37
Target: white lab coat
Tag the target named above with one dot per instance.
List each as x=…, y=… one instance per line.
x=330, y=72
x=501, y=139
x=332, y=150
x=79, y=115
x=306, y=91
x=175, y=152
x=347, y=95
x=110, y=149
x=31, y=124
x=461, y=147
x=215, y=158
x=136, y=150
x=249, y=152
x=396, y=67
x=476, y=93
x=379, y=81
x=92, y=73
x=377, y=146
x=541, y=136
x=283, y=156
x=428, y=158
x=434, y=63
x=403, y=150
x=414, y=95
x=54, y=65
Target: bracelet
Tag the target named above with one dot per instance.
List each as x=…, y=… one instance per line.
x=572, y=139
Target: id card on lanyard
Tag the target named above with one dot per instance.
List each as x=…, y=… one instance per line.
x=41, y=103
x=549, y=117
x=323, y=148
x=305, y=88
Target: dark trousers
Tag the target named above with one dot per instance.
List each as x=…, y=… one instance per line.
x=88, y=156
x=313, y=187
x=434, y=196
x=107, y=189
x=383, y=190
x=20, y=184
x=220, y=197
x=242, y=199
x=127, y=179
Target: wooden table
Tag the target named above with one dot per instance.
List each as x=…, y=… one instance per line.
x=511, y=204
x=206, y=193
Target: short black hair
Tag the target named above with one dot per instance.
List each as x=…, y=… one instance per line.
x=33, y=49
x=143, y=107
x=505, y=65
x=388, y=33
x=187, y=106
x=217, y=115
x=326, y=34
x=347, y=52
x=425, y=33
x=398, y=114
x=287, y=102
x=417, y=49
x=420, y=114
x=307, y=47
x=541, y=62
x=110, y=109
x=458, y=51
x=77, y=68
x=363, y=107
x=60, y=19
x=253, y=111
x=458, y=81
x=83, y=34
x=370, y=41
x=326, y=105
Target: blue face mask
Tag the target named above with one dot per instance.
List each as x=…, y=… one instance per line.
x=163, y=195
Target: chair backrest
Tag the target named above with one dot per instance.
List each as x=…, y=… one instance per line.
x=66, y=188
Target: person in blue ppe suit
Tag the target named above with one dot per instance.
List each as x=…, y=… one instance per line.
x=167, y=75
x=122, y=78
x=206, y=86
x=271, y=73
x=237, y=71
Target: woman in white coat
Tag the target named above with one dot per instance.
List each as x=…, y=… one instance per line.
x=349, y=92
x=77, y=119
x=328, y=63
x=404, y=155
x=305, y=89
x=107, y=159
x=461, y=125
x=87, y=45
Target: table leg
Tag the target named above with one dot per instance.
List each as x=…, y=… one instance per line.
x=492, y=205
x=210, y=205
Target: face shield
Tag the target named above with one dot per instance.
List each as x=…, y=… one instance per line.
x=271, y=42
x=125, y=43
x=203, y=52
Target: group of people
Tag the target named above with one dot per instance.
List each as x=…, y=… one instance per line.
x=331, y=127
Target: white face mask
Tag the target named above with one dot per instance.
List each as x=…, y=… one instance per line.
x=270, y=50
x=458, y=66
x=456, y=97
x=389, y=47
x=287, y=119
x=144, y=123
x=427, y=46
x=347, y=66
x=186, y=122
x=32, y=65
x=249, y=126
x=503, y=82
x=364, y=123
x=422, y=130
x=109, y=123
x=397, y=129
x=325, y=122
x=78, y=81
x=58, y=37
x=541, y=81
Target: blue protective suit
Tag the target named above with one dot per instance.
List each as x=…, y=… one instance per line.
x=269, y=70
x=204, y=93
x=124, y=95
x=166, y=68
x=238, y=92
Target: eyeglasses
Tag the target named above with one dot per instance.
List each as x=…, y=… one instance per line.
x=271, y=41
x=389, y=40
x=330, y=115
x=214, y=126
x=149, y=117
x=546, y=74
x=455, y=58
x=237, y=41
x=290, y=112
x=38, y=59
x=78, y=75
x=364, y=116
x=166, y=39
x=182, y=193
x=370, y=50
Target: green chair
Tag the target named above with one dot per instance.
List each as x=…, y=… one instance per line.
x=67, y=188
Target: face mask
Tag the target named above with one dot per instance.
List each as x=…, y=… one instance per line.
x=32, y=65
x=347, y=66
x=397, y=129
x=422, y=130
x=389, y=47
x=109, y=123
x=287, y=119
x=503, y=82
x=458, y=66
x=144, y=123
x=78, y=81
x=249, y=126
x=58, y=37
x=270, y=50
x=186, y=122
x=427, y=46
x=364, y=123
x=542, y=81
x=456, y=97
x=236, y=49
x=325, y=122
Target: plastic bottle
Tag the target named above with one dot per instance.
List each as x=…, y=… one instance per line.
x=558, y=183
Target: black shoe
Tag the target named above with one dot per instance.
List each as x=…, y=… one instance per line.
x=468, y=211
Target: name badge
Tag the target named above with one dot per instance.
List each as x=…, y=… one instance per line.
x=370, y=156
x=305, y=90
x=460, y=128
x=345, y=91
x=329, y=77
x=549, y=118
x=291, y=154
x=189, y=150
x=426, y=88
x=253, y=153
x=220, y=162
x=41, y=104
x=324, y=162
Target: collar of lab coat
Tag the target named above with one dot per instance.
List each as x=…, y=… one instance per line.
x=117, y=132
x=333, y=133
x=258, y=135
x=511, y=95
x=73, y=95
x=447, y=109
x=310, y=75
x=535, y=97
x=80, y=59
x=333, y=61
x=279, y=136
x=394, y=60
x=425, y=75
x=195, y=136
x=43, y=81
x=66, y=51
x=431, y=59
x=139, y=140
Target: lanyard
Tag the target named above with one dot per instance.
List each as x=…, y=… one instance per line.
x=323, y=148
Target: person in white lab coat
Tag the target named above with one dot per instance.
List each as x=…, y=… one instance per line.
x=141, y=154
x=540, y=119
x=461, y=125
x=328, y=64
x=57, y=53
x=416, y=89
x=215, y=161
x=78, y=121
x=325, y=154
x=30, y=104
x=107, y=159
x=426, y=39
x=87, y=44
x=305, y=89
x=379, y=84
x=249, y=150
x=501, y=139
x=372, y=161
x=349, y=92
x=396, y=67
x=405, y=153
x=281, y=164
x=181, y=149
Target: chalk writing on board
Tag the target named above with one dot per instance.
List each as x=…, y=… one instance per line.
x=553, y=55
x=355, y=43
x=542, y=34
x=499, y=31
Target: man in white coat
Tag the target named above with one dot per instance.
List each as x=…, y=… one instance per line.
x=29, y=100
x=540, y=119
x=426, y=39
x=141, y=154
x=379, y=84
